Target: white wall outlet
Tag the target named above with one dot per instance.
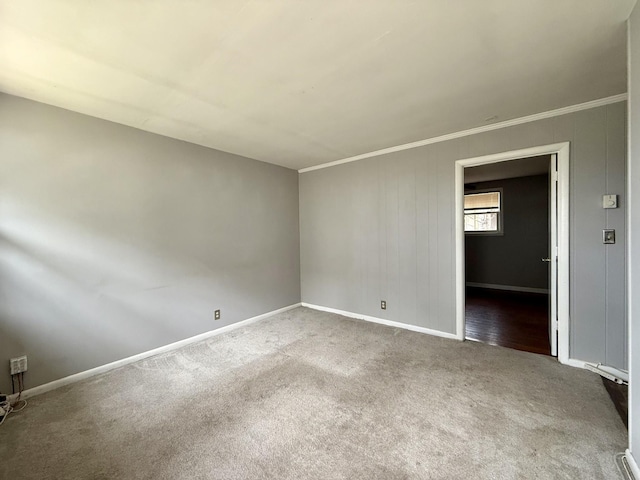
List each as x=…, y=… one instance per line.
x=216, y=315
x=18, y=365
x=610, y=201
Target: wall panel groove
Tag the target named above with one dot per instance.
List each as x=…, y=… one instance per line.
x=597, y=139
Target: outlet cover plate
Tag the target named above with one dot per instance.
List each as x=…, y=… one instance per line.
x=216, y=315
x=18, y=365
x=609, y=236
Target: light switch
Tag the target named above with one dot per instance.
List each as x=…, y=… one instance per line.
x=610, y=201
x=608, y=236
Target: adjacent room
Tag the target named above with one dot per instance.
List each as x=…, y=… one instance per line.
x=319, y=239
x=507, y=254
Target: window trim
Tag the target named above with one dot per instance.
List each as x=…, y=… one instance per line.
x=492, y=233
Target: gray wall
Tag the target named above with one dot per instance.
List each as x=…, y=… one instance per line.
x=383, y=228
x=114, y=241
x=634, y=247
x=514, y=258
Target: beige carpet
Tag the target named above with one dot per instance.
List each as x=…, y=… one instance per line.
x=307, y=395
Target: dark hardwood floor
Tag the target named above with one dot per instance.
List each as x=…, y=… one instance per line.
x=509, y=319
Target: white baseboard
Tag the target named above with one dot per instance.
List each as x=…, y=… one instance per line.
x=76, y=377
x=572, y=362
x=633, y=465
x=610, y=373
x=511, y=288
x=382, y=321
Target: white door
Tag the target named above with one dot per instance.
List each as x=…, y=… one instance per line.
x=553, y=256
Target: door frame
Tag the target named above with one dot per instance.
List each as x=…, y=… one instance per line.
x=562, y=229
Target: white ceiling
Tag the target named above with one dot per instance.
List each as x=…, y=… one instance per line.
x=304, y=82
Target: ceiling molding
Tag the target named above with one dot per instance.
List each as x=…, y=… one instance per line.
x=472, y=131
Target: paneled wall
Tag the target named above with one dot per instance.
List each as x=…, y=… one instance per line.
x=383, y=229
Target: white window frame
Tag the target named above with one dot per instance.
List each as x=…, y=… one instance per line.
x=500, y=230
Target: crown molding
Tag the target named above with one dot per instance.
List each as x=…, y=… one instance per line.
x=473, y=131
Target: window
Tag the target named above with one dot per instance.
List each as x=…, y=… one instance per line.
x=483, y=212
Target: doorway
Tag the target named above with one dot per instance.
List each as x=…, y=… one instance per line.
x=507, y=259
x=556, y=305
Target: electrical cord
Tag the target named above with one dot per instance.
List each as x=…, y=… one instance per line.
x=6, y=405
x=5, y=408
x=8, y=408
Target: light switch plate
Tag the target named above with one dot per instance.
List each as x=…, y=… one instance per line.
x=608, y=236
x=610, y=201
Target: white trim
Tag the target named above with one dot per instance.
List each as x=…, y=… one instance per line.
x=633, y=465
x=459, y=251
x=632, y=276
x=382, y=321
x=553, y=252
x=562, y=150
x=562, y=252
x=572, y=362
x=510, y=288
x=76, y=377
x=473, y=131
x=610, y=373
x=633, y=311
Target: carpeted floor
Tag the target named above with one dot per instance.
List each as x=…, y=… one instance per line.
x=312, y=395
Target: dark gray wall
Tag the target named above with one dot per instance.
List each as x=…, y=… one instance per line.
x=514, y=258
x=383, y=228
x=114, y=241
x=634, y=247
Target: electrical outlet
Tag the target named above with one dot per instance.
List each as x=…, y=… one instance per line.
x=216, y=315
x=383, y=304
x=18, y=365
